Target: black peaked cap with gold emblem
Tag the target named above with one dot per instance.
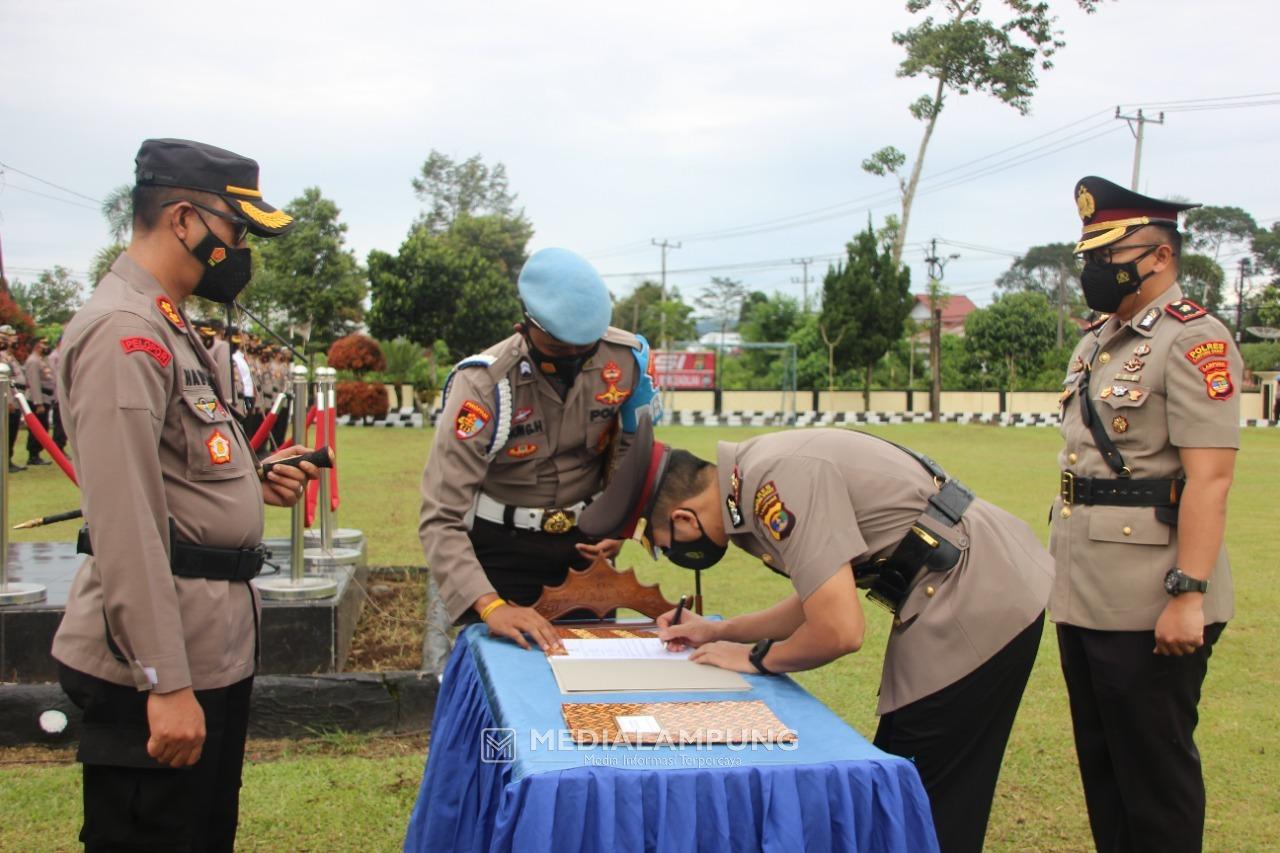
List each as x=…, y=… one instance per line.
x=197, y=166
x=629, y=498
x=1109, y=211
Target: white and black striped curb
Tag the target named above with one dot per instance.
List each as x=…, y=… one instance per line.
x=413, y=418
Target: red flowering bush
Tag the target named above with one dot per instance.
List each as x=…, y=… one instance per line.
x=362, y=399
x=357, y=353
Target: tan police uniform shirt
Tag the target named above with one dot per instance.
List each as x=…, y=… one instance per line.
x=40, y=381
x=17, y=377
x=809, y=501
x=152, y=440
x=1160, y=382
x=554, y=454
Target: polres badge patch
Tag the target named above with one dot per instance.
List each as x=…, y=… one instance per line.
x=472, y=418
x=219, y=448
x=170, y=313
x=770, y=509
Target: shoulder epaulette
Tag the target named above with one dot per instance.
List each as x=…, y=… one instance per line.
x=1097, y=323
x=1185, y=310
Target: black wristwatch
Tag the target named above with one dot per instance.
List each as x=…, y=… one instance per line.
x=1176, y=583
x=758, y=651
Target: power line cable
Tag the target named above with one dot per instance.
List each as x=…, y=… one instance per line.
x=96, y=201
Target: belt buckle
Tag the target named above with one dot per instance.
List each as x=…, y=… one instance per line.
x=1068, y=487
x=557, y=521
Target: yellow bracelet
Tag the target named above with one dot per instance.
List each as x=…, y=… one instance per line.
x=490, y=607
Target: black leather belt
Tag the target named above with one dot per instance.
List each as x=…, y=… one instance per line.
x=1122, y=491
x=201, y=561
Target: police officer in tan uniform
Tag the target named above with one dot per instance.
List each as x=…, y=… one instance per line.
x=158, y=644
x=835, y=510
x=40, y=394
x=524, y=435
x=17, y=382
x=1150, y=420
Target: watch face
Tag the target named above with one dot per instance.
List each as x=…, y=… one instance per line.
x=1171, y=583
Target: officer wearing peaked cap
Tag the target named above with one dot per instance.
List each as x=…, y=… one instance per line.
x=158, y=643
x=522, y=442
x=1150, y=421
x=835, y=510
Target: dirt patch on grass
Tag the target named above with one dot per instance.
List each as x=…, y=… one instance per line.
x=391, y=627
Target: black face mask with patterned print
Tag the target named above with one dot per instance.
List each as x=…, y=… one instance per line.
x=1106, y=285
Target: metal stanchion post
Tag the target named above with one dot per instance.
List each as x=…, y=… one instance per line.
x=324, y=387
x=10, y=593
x=298, y=584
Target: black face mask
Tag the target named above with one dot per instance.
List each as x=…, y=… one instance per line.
x=226, y=269
x=563, y=367
x=1106, y=285
x=701, y=553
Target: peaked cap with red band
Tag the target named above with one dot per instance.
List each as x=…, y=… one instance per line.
x=1109, y=212
x=633, y=489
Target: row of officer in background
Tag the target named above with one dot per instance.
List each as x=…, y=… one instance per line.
x=35, y=378
x=1150, y=419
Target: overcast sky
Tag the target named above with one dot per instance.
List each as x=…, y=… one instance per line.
x=619, y=123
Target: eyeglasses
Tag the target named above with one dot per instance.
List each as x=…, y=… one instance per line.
x=242, y=227
x=1107, y=255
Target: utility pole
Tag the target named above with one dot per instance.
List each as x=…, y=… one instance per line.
x=1246, y=270
x=1141, y=121
x=666, y=246
x=804, y=262
x=937, y=268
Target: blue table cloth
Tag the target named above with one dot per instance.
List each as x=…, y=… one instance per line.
x=502, y=774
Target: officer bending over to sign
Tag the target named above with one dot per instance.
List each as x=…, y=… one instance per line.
x=835, y=510
x=526, y=431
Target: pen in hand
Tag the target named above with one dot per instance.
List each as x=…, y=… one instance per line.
x=675, y=620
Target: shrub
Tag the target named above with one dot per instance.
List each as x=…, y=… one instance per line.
x=357, y=353
x=362, y=399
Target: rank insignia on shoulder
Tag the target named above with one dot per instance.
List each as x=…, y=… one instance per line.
x=472, y=418
x=170, y=313
x=1077, y=365
x=1149, y=319
x=770, y=509
x=1185, y=310
x=148, y=346
x=520, y=451
x=1120, y=424
x=734, y=500
x=1206, y=349
x=219, y=448
x=1098, y=323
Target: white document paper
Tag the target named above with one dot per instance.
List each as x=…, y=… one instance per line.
x=622, y=648
x=638, y=725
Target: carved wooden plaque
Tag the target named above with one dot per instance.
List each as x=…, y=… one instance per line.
x=601, y=588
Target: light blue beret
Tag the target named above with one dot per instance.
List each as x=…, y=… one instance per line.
x=566, y=296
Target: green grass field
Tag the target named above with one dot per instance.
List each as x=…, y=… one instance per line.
x=344, y=799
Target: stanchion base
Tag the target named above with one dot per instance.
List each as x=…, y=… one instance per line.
x=21, y=593
x=286, y=589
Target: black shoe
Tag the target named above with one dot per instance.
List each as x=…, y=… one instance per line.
x=13, y=469
x=38, y=461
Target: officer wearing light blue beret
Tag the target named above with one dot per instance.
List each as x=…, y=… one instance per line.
x=525, y=434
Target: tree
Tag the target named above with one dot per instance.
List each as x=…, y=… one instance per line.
x=469, y=188
x=117, y=209
x=1010, y=336
x=441, y=288
x=722, y=300
x=1265, y=244
x=865, y=302
x=1267, y=306
x=52, y=298
x=961, y=54
x=1053, y=270
x=1201, y=278
x=641, y=311
x=308, y=277
x=102, y=261
x=1209, y=228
